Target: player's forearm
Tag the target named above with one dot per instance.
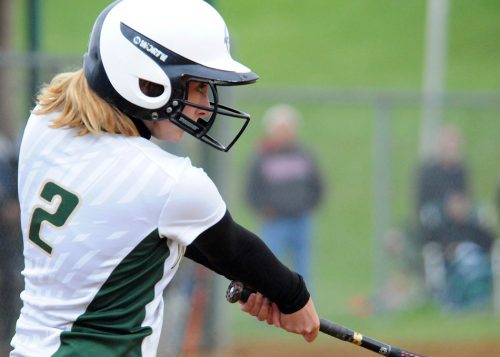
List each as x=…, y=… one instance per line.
x=235, y=252
x=194, y=253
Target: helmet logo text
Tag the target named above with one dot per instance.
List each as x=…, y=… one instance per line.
x=145, y=45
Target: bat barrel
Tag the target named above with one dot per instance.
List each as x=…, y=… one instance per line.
x=348, y=335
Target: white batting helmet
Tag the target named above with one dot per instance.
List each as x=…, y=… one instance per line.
x=163, y=42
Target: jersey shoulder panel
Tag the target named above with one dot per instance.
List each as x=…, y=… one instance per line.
x=171, y=164
x=194, y=205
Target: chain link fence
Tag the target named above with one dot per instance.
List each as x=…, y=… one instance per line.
x=367, y=142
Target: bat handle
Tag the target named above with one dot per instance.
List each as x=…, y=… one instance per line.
x=239, y=292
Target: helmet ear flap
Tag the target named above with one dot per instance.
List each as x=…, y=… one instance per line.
x=131, y=64
x=115, y=70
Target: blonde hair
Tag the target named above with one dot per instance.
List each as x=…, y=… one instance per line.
x=79, y=107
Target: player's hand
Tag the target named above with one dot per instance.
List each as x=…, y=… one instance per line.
x=304, y=322
x=259, y=306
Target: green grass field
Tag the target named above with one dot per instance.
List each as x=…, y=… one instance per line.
x=347, y=45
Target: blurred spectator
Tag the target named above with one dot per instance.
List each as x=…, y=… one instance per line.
x=466, y=248
x=456, y=247
x=436, y=178
x=284, y=187
x=11, y=258
x=439, y=177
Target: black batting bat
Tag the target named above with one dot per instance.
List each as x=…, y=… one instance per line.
x=236, y=291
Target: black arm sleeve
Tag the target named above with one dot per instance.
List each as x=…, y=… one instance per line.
x=231, y=250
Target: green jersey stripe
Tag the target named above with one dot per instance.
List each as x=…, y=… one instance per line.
x=111, y=325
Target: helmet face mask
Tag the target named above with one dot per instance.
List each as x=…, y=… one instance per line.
x=221, y=133
x=126, y=50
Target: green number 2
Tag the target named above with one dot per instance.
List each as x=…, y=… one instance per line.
x=67, y=205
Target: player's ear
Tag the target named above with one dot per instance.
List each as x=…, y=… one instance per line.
x=151, y=89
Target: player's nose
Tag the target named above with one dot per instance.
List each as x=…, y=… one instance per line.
x=205, y=102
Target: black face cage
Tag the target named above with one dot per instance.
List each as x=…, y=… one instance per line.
x=221, y=133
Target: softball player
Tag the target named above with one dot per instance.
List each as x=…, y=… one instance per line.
x=107, y=215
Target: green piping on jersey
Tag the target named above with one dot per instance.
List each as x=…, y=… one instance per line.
x=111, y=325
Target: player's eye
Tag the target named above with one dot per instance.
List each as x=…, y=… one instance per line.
x=202, y=88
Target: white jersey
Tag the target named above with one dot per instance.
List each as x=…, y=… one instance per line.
x=105, y=221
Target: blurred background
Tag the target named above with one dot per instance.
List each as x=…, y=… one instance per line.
x=386, y=90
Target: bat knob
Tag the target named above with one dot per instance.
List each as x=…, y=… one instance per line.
x=234, y=291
